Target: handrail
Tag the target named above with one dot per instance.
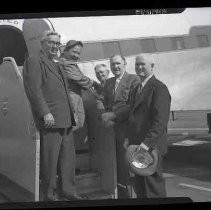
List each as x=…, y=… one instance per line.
x=12, y=60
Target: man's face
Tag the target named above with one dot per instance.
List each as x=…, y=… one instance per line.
x=143, y=67
x=102, y=73
x=51, y=45
x=73, y=53
x=117, y=66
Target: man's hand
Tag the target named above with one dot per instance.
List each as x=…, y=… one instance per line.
x=142, y=156
x=76, y=121
x=76, y=118
x=49, y=120
x=95, y=84
x=107, y=116
x=109, y=123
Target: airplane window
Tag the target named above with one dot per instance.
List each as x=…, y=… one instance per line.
x=110, y=48
x=92, y=51
x=177, y=43
x=202, y=40
x=163, y=44
x=148, y=45
x=190, y=42
x=130, y=47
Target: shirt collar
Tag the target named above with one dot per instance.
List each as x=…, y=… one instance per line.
x=146, y=80
x=119, y=78
x=55, y=60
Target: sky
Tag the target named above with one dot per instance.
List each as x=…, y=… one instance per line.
x=131, y=26
x=95, y=28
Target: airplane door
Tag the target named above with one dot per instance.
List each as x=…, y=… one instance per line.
x=32, y=31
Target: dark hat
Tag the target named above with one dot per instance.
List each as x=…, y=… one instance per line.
x=72, y=43
x=134, y=157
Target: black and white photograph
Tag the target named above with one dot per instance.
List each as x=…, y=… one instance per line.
x=106, y=107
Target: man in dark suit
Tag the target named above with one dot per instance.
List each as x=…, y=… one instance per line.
x=116, y=95
x=149, y=115
x=46, y=88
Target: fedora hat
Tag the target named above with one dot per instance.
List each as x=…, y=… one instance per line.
x=141, y=162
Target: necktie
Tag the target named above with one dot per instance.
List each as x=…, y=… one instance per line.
x=117, y=83
x=139, y=89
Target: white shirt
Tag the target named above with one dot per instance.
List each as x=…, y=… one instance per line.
x=146, y=80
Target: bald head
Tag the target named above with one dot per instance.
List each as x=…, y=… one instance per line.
x=147, y=57
x=144, y=65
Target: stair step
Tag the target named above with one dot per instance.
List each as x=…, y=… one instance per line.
x=82, y=151
x=85, y=190
x=82, y=161
x=98, y=195
x=87, y=174
x=88, y=181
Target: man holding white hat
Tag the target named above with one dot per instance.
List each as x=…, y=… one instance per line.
x=148, y=119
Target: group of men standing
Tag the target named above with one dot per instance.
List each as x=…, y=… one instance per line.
x=136, y=106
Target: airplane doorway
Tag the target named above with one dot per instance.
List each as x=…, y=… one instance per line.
x=12, y=44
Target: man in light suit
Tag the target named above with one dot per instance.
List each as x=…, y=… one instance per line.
x=77, y=81
x=116, y=95
x=148, y=117
x=46, y=88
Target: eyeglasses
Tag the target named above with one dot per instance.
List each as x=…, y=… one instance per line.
x=52, y=43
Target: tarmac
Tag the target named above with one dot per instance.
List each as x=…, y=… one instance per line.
x=187, y=167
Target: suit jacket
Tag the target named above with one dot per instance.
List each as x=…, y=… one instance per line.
x=149, y=115
x=76, y=79
x=116, y=101
x=46, y=88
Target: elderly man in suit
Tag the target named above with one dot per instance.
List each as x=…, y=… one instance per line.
x=102, y=73
x=116, y=95
x=46, y=88
x=148, y=117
